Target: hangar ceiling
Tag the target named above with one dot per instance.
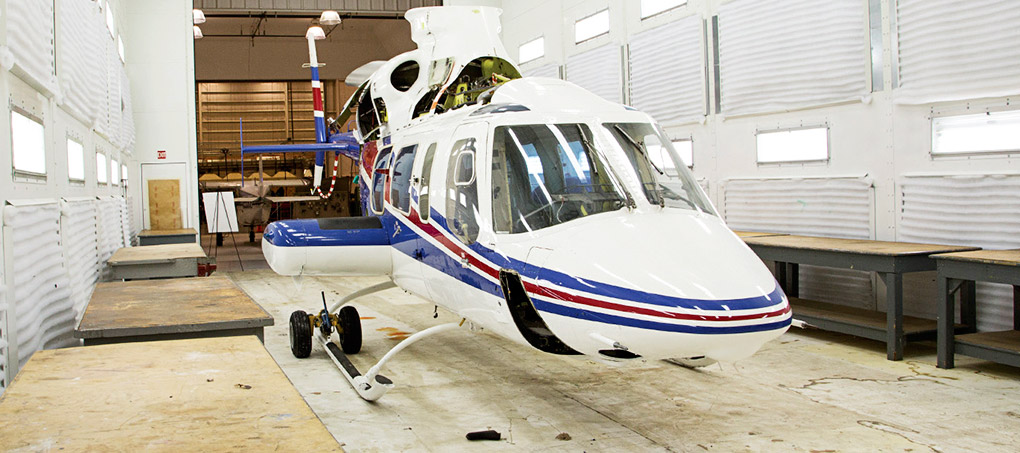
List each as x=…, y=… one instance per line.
x=347, y=8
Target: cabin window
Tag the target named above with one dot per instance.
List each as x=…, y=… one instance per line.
x=664, y=176
x=400, y=187
x=426, y=177
x=462, y=202
x=544, y=175
x=368, y=122
x=379, y=173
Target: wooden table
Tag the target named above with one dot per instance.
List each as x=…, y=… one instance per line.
x=221, y=394
x=755, y=234
x=889, y=259
x=146, y=310
x=156, y=261
x=177, y=236
x=957, y=273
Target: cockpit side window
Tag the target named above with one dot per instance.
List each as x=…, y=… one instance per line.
x=462, y=187
x=426, y=178
x=400, y=187
x=544, y=175
x=379, y=173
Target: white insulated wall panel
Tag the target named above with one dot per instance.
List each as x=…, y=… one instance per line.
x=127, y=120
x=599, y=70
x=78, y=227
x=551, y=71
x=41, y=292
x=30, y=39
x=951, y=50
x=125, y=221
x=110, y=116
x=111, y=235
x=3, y=322
x=831, y=207
x=667, y=72
x=82, y=88
x=975, y=210
x=778, y=55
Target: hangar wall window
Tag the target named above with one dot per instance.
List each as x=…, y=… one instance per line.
x=992, y=132
x=426, y=178
x=650, y=8
x=379, y=174
x=28, y=143
x=685, y=151
x=115, y=172
x=109, y=18
x=75, y=160
x=124, y=174
x=400, y=188
x=531, y=50
x=462, y=202
x=591, y=27
x=793, y=145
x=100, y=168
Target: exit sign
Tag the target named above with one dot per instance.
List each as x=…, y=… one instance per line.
x=161, y=154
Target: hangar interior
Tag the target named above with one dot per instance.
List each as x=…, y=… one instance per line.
x=865, y=150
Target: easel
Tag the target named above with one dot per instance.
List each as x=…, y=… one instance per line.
x=213, y=247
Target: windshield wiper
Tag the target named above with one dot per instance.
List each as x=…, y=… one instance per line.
x=589, y=147
x=638, y=147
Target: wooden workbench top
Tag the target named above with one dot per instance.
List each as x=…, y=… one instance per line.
x=168, y=306
x=856, y=246
x=211, y=394
x=997, y=257
x=174, y=232
x=755, y=234
x=156, y=253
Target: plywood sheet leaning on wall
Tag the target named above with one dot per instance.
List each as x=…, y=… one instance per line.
x=164, y=204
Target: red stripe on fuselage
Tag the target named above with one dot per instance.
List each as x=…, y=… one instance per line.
x=537, y=290
x=317, y=99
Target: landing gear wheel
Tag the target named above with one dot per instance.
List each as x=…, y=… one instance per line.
x=350, y=325
x=300, y=334
x=693, y=362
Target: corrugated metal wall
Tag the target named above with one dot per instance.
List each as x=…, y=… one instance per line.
x=951, y=50
x=667, y=72
x=599, y=70
x=779, y=55
x=41, y=302
x=125, y=222
x=3, y=321
x=832, y=207
x=551, y=71
x=111, y=236
x=78, y=227
x=977, y=210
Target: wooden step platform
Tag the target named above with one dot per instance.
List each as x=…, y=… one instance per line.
x=855, y=321
x=145, y=310
x=221, y=394
x=1001, y=347
x=156, y=261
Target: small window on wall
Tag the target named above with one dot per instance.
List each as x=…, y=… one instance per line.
x=531, y=50
x=793, y=145
x=650, y=8
x=28, y=144
x=120, y=48
x=123, y=174
x=101, y=168
x=591, y=27
x=114, y=172
x=992, y=132
x=75, y=161
x=685, y=149
x=109, y=19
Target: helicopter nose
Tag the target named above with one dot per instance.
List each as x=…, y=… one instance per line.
x=660, y=286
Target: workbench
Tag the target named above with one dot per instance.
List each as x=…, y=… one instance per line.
x=177, y=236
x=889, y=259
x=146, y=310
x=756, y=234
x=957, y=274
x=216, y=394
x=156, y=261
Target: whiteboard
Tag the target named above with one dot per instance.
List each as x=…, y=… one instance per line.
x=220, y=213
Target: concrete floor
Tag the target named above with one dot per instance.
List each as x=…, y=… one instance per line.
x=809, y=391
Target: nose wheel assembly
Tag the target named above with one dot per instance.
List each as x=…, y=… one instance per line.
x=346, y=323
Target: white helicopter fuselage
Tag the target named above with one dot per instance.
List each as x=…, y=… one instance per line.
x=639, y=279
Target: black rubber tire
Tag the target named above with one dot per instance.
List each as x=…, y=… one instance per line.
x=350, y=322
x=300, y=334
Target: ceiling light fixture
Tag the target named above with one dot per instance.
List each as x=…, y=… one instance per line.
x=198, y=16
x=198, y=32
x=315, y=32
x=329, y=18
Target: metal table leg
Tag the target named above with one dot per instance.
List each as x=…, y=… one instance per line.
x=793, y=274
x=946, y=318
x=894, y=315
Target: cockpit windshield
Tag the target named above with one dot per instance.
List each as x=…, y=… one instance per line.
x=665, y=179
x=547, y=174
